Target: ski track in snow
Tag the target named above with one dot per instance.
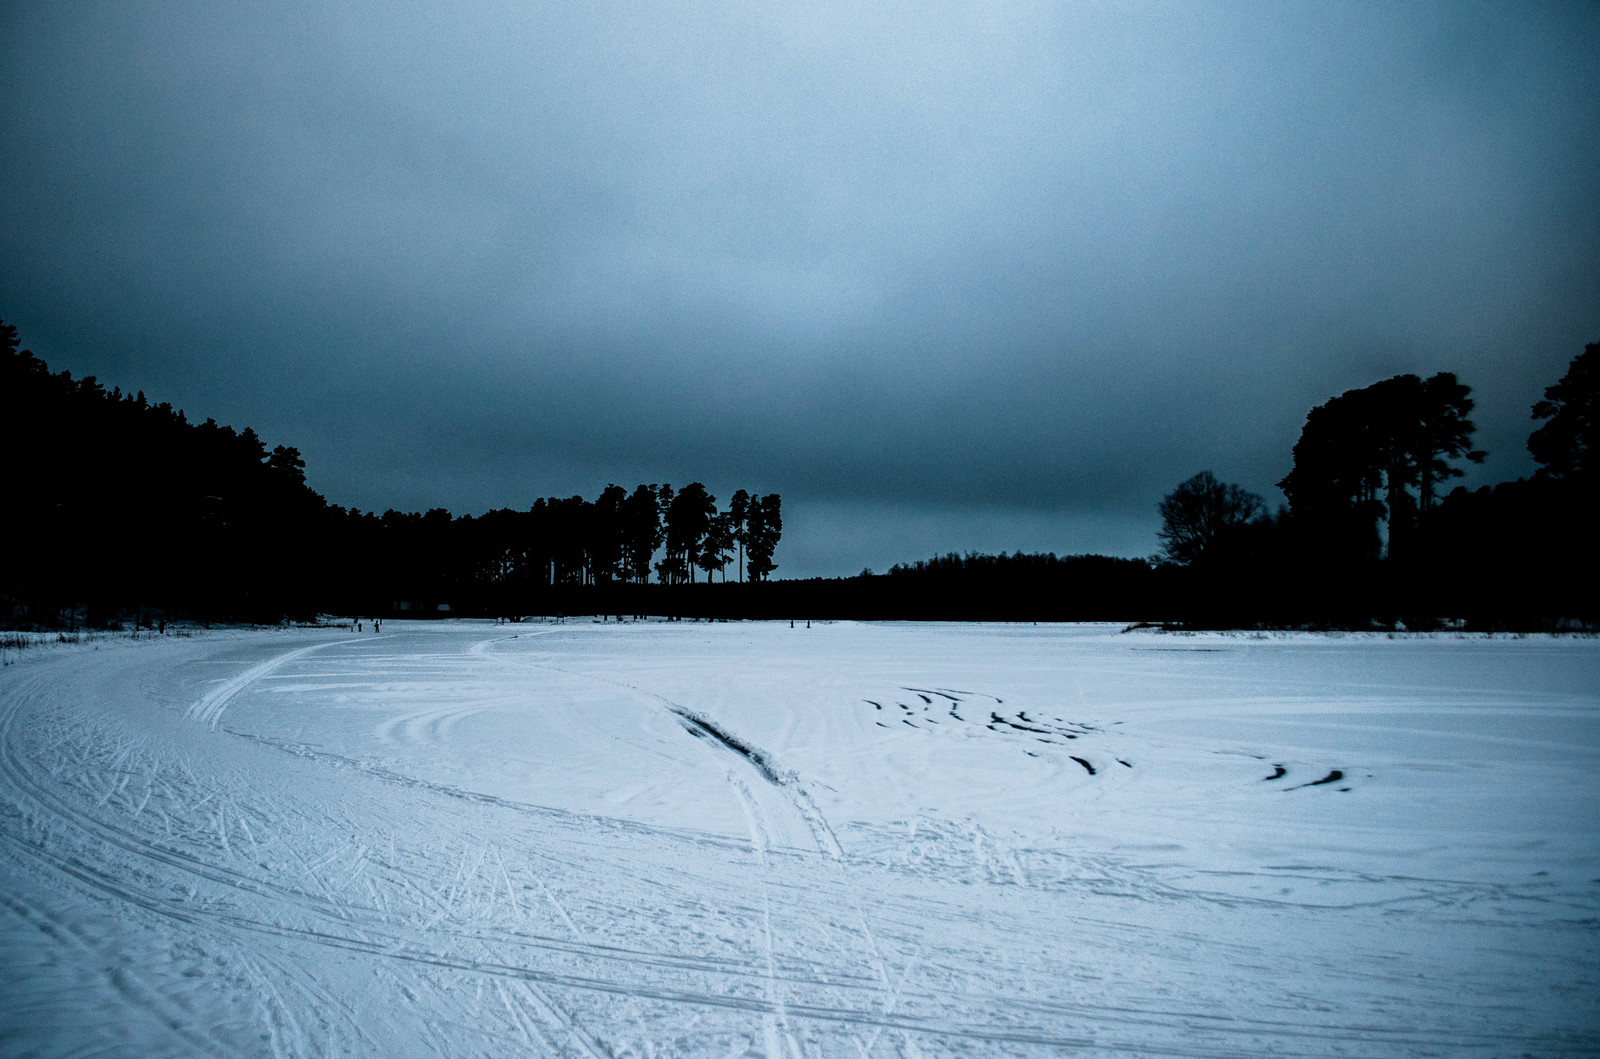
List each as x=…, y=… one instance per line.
x=208, y=709
x=699, y=840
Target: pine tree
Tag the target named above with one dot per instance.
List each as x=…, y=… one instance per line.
x=738, y=515
x=1564, y=445
x=764, y=528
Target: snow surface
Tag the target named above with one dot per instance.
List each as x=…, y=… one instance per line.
x=745, y=839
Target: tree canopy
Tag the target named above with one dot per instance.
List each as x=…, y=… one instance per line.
x=118, y=505
x=1379, y=453
x=124, y=504
x=1199, y=513
x=1565, y=443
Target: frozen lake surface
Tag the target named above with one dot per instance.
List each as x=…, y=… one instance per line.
x=745, y=839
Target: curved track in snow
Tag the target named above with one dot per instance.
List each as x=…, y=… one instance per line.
x=564, y=855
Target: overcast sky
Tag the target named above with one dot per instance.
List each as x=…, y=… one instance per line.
x=947, y=276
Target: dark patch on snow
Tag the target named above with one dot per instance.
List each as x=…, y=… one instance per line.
x=1332, y=777
x=1027, y=727
x=1088, y=767
x=1278, y=773
x=1064, y=730
x=701, y=728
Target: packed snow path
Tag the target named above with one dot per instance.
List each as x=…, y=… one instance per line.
x=745, y=839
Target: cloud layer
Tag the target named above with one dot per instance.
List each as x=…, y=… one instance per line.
x=944, y=275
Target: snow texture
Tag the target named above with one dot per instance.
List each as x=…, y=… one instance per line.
x=657, y=839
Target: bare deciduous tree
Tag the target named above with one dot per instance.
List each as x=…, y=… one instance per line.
x=1198, y=512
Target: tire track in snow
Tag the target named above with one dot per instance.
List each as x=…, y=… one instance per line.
x=786, y=783
x=327, y=905
x=15, y=770
x=777, y=1031
x=209, y=707
x=397, y=949
x=564, y=816
x=746, y=758
x=796, y=795
x=149, y=1004
x=420, y=954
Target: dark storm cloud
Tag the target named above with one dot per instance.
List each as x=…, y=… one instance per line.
x=944, y=276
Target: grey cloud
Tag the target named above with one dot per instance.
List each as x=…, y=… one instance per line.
x=1005, y=265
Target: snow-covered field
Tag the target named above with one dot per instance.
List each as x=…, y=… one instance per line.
x=862, y=840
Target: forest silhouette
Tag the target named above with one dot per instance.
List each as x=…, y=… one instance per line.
x=1368, y=535
x=122, y=510
x=119, y=507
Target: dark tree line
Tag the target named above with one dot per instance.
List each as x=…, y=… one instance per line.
x=953, y=587
x=506, y=556
x=116, y=505
x=1368, y=536
x=1369, y=531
